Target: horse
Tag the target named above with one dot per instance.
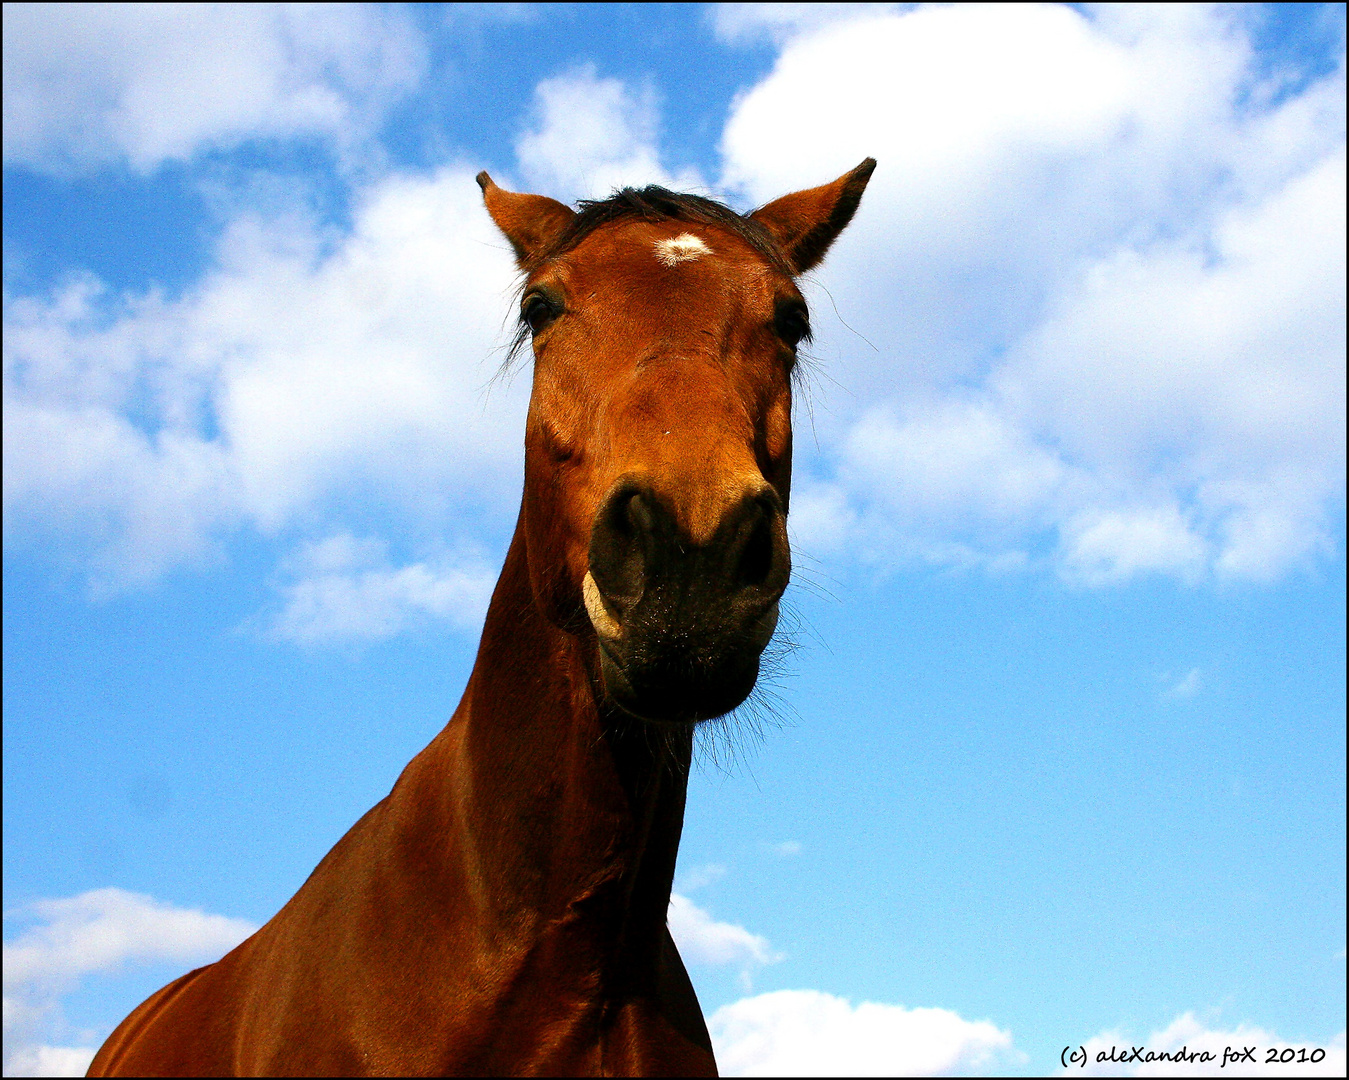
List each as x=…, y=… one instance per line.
x=503, y=910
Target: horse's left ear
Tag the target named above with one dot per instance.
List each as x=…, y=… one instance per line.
x=805, y=223
x=530, y=222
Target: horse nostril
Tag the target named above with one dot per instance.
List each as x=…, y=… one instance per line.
x=756, y=559
x=620, y=547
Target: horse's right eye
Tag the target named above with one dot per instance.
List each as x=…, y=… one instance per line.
x=538, y=313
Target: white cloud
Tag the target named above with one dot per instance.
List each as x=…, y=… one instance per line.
x=950, y=458
x=101, y=929
x=144, y=84
x=703, y=940
x=370, y=364
x=39, y=1060
x=748, y=24
x=933, y=72
x=1106, y=546
x=822, y=518
x=1105, y=277
x=96, y=932
x=141, y=501
x=346, y=590
x=1187, y=686
x=1217, y=376
x=1188, y=1036
x=300, y=372
x=809, y=1033
x=592, y=135
x=700, y=876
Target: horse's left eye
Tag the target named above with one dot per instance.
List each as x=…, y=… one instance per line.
x=792, y=325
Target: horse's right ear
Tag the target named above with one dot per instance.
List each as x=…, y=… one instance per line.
x=530, y=222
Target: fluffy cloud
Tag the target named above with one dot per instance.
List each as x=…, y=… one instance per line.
x=102, y=929
x=1097, y=283
x=741, y=24
x=592, y=135
x=1188, y=1036
x=302, y=370
x=809, y=1033
x=345, y=589
x=96, y=932
x=1186, y=687
x=703, y=940
x=144, y=84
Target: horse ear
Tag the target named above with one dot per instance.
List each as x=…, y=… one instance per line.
x=805, y=223
x=530, y=222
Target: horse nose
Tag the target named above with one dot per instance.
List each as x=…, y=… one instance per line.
x=645, y=567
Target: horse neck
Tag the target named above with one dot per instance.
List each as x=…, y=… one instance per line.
x=557, y=810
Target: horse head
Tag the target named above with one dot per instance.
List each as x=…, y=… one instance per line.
x=658, y=447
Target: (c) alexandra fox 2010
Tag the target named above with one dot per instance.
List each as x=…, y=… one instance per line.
x=502, y=911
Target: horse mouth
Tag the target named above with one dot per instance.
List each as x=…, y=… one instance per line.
x=678, y=671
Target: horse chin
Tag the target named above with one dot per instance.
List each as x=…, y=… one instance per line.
x=645, y=680
x=655, y=694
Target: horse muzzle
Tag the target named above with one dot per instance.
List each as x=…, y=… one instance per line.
x=681, y=626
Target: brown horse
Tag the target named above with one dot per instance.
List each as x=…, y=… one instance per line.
x=503, y=910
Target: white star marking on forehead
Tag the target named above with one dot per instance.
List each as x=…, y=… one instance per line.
x=682, y=248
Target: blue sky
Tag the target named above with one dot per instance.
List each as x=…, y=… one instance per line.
x=1060, y=759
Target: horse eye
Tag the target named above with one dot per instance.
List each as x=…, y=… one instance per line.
x=538, y=313
x=791, y=325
